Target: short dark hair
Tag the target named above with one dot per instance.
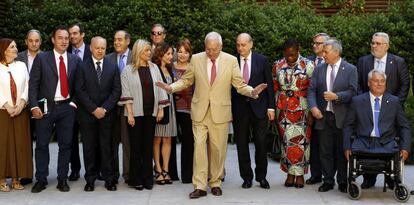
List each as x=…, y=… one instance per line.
x=291, y=43
x=4, y=44
x=80, y=27
x=127, y=35
x=57, y=28
x=159, y=52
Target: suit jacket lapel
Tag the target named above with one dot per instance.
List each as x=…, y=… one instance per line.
x=367, y=103
x=339, y=74
x=389, y=64
x=92, y=70
x=71, y=65
x=323, y=73
x=253, y=67
x=384, y=106
x=52, y=63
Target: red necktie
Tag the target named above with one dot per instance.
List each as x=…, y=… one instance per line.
x=213, y=72
x=246, y=71
x=63, y=78
x=13, y=89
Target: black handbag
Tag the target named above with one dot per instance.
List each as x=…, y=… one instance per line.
x=166, y=119
x=274, y=142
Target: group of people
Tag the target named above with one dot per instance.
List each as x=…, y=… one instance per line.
x=144, y=96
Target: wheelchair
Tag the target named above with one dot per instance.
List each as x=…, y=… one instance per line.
x=389, y=164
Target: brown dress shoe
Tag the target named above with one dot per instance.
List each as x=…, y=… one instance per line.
x=216, y=191
x=290, y=180
x=197, y=194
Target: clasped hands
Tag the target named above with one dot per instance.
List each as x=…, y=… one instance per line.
x=15, y=110
x=99, y=113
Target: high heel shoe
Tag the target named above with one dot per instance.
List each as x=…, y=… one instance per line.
x=290, y=180
x=159, y=178
x=299, y=182
x=167, y=178
x=4, y=187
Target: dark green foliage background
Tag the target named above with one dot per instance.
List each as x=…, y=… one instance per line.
x=270, y=24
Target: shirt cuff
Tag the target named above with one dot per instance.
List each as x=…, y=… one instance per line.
x=73, y=105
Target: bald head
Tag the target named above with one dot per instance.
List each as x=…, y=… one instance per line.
x=244, y=44
x=98, y=47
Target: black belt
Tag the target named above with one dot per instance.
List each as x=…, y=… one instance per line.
x=62, y=102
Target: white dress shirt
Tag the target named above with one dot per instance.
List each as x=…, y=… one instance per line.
x=328, y=77
x=21, y=78
x=81, y=49
x=58, y=95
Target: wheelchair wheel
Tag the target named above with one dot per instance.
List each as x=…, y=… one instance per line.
x=354, y=191
x=401, y=193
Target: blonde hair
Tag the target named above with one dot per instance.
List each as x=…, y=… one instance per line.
x=137, y=50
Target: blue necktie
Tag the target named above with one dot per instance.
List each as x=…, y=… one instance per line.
x=376, y=117
x=319, y=59
x=98, y=71
x=121, y=64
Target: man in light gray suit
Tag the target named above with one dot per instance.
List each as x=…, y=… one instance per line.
x=33, y=41
x=121, y=57
x=333, y=85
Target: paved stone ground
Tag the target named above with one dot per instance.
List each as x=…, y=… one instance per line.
x=178, y=192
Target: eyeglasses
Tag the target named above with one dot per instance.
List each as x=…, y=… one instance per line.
x=317, y=43
x=157, y=33
x=377, y=43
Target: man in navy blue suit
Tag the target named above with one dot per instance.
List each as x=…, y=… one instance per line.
x=333, y=85
x=376, y=132
x=98, y=89
x=252, y=113
x=52, y=78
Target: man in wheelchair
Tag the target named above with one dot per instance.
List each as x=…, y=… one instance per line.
x=377, y=124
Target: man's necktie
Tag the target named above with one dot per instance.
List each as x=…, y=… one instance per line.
x=319, y=60
x=376, y=117
x=121, y=64
x=331, y=83
x=63, y=78
x=378, y=65
x=213, y=72
x=77, y=51
x=13, y=89
x=246, y=72
x=98, y=71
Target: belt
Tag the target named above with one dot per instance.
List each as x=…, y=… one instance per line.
x=62, y=102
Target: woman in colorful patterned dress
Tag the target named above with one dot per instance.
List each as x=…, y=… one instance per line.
x=291, y=78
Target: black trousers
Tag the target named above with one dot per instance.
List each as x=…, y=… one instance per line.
x=187, y=146
x=63, y=117
x=243, y=123
x=120, y=135
x=97, y=147
x=141, y=137
x=331, y=151
x=75, y=164
x=315, y=162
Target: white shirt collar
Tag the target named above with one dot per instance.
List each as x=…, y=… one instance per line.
x=372, y=97
x=383, y=59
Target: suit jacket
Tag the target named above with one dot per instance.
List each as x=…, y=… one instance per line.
x=87, y=53
x=22, y=56
x=312, y=58
x=260, y=72
x=91, y=93
x=398, y=78
x=216, y=96
x=44, y=78
x=113, y=57
x=345, y=86
x=359, y=123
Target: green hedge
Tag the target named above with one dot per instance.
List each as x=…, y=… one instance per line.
x=270, y=24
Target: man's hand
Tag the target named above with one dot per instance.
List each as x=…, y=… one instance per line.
x=37, y=113
x=348, y=153
x=160, y=114
x=330, y=96
x=258, y=89
x=99, y=113
x=404, y=155
x=164, y=86
x=271, y=115
x=316, y=113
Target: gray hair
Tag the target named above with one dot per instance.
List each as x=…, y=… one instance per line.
x=97, y=38
x=325, y=36
x=377, y=71
x=336, y=45
x=383, y=35
x=213, y=36
x=34, y=31
x=158, y=25
x=249, y=37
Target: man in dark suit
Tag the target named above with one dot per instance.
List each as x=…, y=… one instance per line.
x=252, y=113
x=121, y=57
x=52, y=78
x=375, y=119
x=98, y=90
x=315, y=163
x=398, y=78
x=333, y=85
x=81, y=49
x=33, y=41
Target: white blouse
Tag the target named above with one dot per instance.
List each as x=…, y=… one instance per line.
x=19, y=72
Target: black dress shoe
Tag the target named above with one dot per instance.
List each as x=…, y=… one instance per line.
x=26, y=181
x=74, y=176
x=110, y=186
x=139, y=187
x=367, y=183
x=197, y=194
x=342, y=188
x=264, y=184
x=313, y=180
x=63, y=186
x=89, y=187
x=247, y=184
x=216, y=191
x=325, y=187
x=148, y=186
x=39, y=186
